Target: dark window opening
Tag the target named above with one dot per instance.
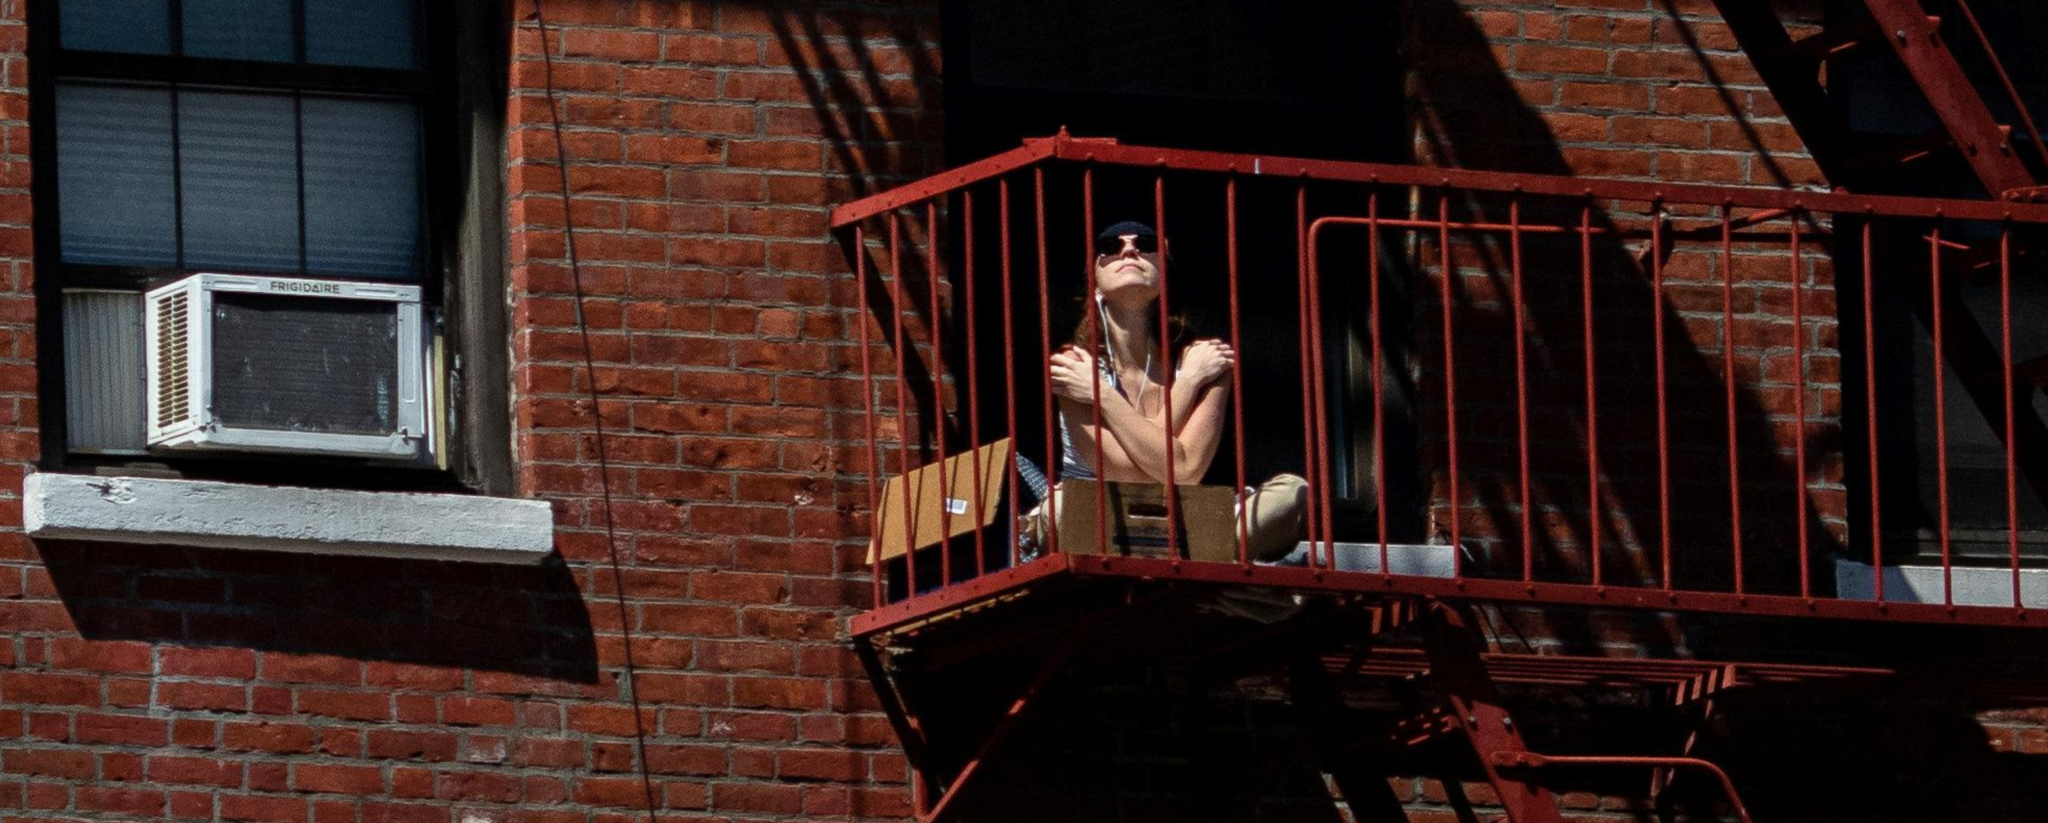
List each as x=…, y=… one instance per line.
x=1291, y=78
x=316, y=138
x=1882, y=106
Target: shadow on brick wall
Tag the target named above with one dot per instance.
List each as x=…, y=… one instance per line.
x=1472, y=114
x=523, y=620
x=1153, y=744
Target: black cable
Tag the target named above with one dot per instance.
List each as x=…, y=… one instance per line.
x=604, y=478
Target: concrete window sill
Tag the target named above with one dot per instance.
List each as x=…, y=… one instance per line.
x=263, y=518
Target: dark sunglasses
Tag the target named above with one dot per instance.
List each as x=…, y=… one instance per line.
x=1113, y=246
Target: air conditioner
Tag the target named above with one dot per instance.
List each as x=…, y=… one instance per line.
x=241, y=363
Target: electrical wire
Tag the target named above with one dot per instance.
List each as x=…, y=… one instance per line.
x=611, y=537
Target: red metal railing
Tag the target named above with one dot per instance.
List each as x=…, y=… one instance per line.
x=1675, y=304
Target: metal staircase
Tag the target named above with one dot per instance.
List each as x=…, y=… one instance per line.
x=1792, y=68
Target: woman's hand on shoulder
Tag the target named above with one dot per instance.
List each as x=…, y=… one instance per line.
x=1207, y=360
x=1073, y=374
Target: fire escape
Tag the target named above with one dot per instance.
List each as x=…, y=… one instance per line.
x=960, y=661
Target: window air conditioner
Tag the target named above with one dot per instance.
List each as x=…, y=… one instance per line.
x=241, y=363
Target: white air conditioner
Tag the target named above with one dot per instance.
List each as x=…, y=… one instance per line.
x=241, y=363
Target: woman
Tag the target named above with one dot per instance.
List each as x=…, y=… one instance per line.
x=1116, y=359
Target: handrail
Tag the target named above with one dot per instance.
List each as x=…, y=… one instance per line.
x=1646, y=228
x=1111, y=152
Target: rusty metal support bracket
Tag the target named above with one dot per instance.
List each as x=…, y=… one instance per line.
x=1458, y=668
x=908, y=730
x=1987, y=147
x=1662, y=775
x=1316, y=695
x=1052, y=665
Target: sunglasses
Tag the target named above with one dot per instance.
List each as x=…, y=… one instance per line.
x=1113, y=246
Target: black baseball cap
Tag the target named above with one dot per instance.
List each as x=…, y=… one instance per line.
x=1110, y=240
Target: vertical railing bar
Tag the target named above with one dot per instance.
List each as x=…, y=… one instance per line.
x=1948, y=596
x=933, y=281
x=1594, y=515
x=973, y=382
x=1728, y=375
x=1045, y=373
x=1870, y=411
x=867, y=396
x=1097, y=343
x=1166, y=369
x=1799, y=404
x=1520, y=308
x=1443, y=242
x=1663, y=390
x=902, y=402
x=1009, y=363
x=1379, y=405
x=2012, y=489
x=1236, y=370
x=1321, y=505
x=1309, y=458
x=1051, y=530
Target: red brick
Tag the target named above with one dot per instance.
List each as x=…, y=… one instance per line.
x=477, y=711
x=346, y=705
x=66, y=763
x=121, y=729
x=198, y=771
x=231, y=664
x=290, y=668
x=610, y=44
x=50, y=689
x=187, y=695
x=132, y=802
x=276, y=738
x=262, y=809
x=74, y=654
x=764, y=798
x=810, y=764
x=335, y=778
x=620, y=792
x=778, y=693
x=410, y=676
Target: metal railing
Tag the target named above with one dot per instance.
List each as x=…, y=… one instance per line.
x=1663, y=333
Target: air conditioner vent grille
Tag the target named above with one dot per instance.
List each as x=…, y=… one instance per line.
x=174, y=384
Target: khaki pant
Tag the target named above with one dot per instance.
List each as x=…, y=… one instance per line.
x=1273, y=516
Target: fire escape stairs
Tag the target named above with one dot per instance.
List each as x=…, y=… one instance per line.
x=1466, y=720
x=1791, y=68
x=1968, y=132
x=1453, y=681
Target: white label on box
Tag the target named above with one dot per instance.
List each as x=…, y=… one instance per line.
x=955, y=505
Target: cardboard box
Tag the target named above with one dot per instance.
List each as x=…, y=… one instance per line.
x=1138, y=526
x=938, y=513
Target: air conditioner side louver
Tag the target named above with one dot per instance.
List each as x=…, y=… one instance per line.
x=173, y=352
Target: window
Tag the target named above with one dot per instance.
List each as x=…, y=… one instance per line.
x=1290, y=78
x=1882, y=107
x=308, y=139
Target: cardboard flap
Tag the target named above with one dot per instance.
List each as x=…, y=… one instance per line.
x=1137, y=520
x=935, y=517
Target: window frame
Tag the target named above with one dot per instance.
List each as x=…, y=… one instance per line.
x=1909, y=534
x=1357, y=118
x=460, y=88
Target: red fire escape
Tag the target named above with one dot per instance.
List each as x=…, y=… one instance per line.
x=1350, y=615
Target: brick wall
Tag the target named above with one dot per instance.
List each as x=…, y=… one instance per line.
x=1646, y=90
x=706, y=142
